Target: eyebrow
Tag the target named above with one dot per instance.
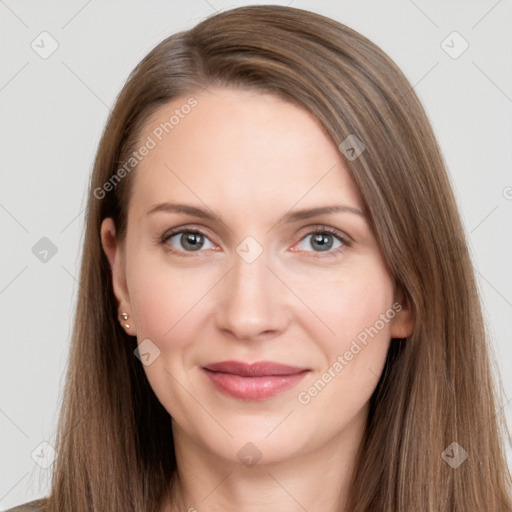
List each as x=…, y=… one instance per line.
x=291, y=216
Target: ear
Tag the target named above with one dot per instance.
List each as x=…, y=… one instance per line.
x=402, y=325
x=116, y=258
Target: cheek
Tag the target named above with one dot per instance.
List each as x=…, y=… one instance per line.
x=359, y=311
x=168, y=306
x=162, y=297
x=357, y=308
x=346, y=307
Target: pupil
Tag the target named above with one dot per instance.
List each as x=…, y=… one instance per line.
x=192, y=241
x=324, y=242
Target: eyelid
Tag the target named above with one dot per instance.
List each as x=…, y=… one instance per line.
x=321, y=228
x=185, y=228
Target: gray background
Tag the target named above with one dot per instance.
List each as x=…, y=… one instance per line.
x=55, y=108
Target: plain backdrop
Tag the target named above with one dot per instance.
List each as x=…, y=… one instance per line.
x=54, y=108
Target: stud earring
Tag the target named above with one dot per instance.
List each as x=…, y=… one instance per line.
x=124, y=316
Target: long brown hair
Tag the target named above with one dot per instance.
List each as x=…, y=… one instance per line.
x=115, y=444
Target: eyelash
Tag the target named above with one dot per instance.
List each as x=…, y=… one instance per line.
x=315, y=254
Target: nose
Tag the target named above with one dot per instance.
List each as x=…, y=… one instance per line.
x=252, y=302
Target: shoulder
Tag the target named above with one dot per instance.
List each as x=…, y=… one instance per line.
x=32, y=506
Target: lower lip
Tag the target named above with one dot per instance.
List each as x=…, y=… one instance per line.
x=253, y=388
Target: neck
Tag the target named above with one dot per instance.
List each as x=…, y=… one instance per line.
x=316, y=480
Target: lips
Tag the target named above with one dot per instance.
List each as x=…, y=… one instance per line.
x=253, y=381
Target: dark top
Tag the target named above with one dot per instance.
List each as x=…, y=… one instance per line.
x=32, y=506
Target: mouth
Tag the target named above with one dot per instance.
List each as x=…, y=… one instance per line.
x=253, y=381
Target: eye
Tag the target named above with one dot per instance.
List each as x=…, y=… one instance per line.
x=187, y=240
x=323, y=240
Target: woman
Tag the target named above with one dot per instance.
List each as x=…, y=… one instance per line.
x=276, y=295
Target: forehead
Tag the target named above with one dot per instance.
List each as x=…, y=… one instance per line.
x=242, y=150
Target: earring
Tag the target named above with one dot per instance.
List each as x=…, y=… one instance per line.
x=124, y=316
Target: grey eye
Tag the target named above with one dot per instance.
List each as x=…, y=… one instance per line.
x=320, y=242
x=189, y=241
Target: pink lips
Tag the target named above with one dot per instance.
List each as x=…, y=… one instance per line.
x=254, y=381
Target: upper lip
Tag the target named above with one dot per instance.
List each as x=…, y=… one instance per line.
x=257, y=369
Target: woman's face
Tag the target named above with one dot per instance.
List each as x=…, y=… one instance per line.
x=284, y=270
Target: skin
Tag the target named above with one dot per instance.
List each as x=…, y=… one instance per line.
x=251, y=158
